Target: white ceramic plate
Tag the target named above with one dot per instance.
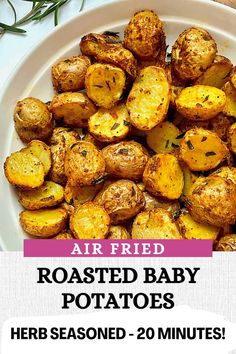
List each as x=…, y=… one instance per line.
x=32, y=77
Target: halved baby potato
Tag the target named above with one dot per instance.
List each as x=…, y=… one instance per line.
x=43, y=223
x=48, y=195
x=64, y=236
x=152, y=202
x=105, y=84
x=90, y=221
x=227, y=243
x=232, y=138
x=42, y=152
x=118, y=233
x=200, y=102
x=202, y=149
x=77, y=195
x=230, y=105
x=110, y=125
x=149, y=98
x=226, y=172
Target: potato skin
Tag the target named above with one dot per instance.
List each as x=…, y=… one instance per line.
x=155, y=224
x=152, y=202
x=232, y=138
x=143, y=35
x=42, y=152
x=227, y=243
x=69, y=74
x=122, y=200
x=163, y=176
x=74, y=108
x=233, y=77
x=84, y=164
x=193, y=52
x=230, y=106
x=126, y=159
x=118, y=233
x=64, y=236
x=149, y=98
x=33, y=120
x=226, y=172
x=212, y=200
x=79, y=195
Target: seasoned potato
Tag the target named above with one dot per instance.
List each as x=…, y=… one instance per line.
x=143, y=35
x=48, y=195
x=125, y=160
x=42, y=152
x=191, y=229
x=212, y=200
x=105, y=49
x=64, y=236
x=43, y=223
x=200, y=102
x=155, y=224
x=90, y=221
x=202, y=149
x=220, y=125
x=122, y=200
x=110, y=125
x=64, y=135
x=79, y=195
x=174, y=94
x=164, y=137
x=69, y=74
x=91, y=139
x=104, y=84
x=189, y=179
x=230, y=106
x=24, y=170
x=193, y=52
x=84, y=164
x=226, y=172
x=33, y=120
x=227, y=243
x=163, y=176
x=152, y=202
x=68, y=208
x=74, y=108
x=217, y=74
x=149, y=98
x=118, y=233
x=232, y=138
x=233, y=77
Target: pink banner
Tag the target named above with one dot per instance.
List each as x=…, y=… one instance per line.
x=118, y=248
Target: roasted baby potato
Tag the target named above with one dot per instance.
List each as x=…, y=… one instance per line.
x=164, y=137
x=106, y=49
x=105, y=84
x=84, y=164
x=155, y=224
x=202, y=149
x=122, y=200
x=233, y=77
x=226, y=172
x=91, y=139
x=110, y=125
x=48, y=195
x=125, y=160
x=24, y=170
x=189, y=179
x=163, y=176
x=212, y=200
x=232, y=138
x=149, y=98
x=227, y=243
x=200, y=102
x=191, y=229
x=220, y=125
x=64, y=236
x=79, y=195
x=144, y=34
x=42, y=152
x=118, y=233
x=152, y=202
x=74, y=108
x=90, y=221
x=43, y=223
x=174, y=94
x=64, y=135
x=33, y=120
x=230, y=105
x=193, y=52
x=69, y=74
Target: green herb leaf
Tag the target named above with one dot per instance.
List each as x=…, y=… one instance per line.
x=116, y=125
x=190, y=145
x=210, y=153
x=11, y=28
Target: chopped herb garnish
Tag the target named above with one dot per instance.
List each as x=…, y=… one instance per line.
x=210, y=153
x=206, y=98
x=175, y=146
x=190, y=145
x=126, y=123
x=176, y=214
x=133, y=192
x=116, y=125
x=108, y=85
x=99, y=180
x=167, y=144
x=204, y=139
x=73, y=145
x=99, y=86
x=84, y=153
x=111, y=33
x=123, y=151
x=180, y=136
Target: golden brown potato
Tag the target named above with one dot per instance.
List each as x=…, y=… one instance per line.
x=164, y=137
x=149, y=98
x=143, y=35
x=226, y=172
x=91, y=139
x=110, y=125
x=43, y=223
x=189, y=179
x=232, y=138
x=212, y=200
x=155, y=224
x=79, y=195
x=64, y=236
x=118, y=233
x=191, y=229
x=217, y=74
x=64, y=135
x=200, y=102
x=106, y=49
x=24, y=170
x=233, y=77
x=163, y=176
x=202, y=149
x=69, y=74
x=42, y=152
x=220, y=125
x=227, y=243
x=48, y=195
x=193, y=52
x=104, y=84
x=68, y=208
x=125, y=160
x=230, y=106
x=152, y=202
x=174, y=94
x=33, y=120
x=84, y=164
x=74, y=108
x=90, y=221
x=122, y=200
